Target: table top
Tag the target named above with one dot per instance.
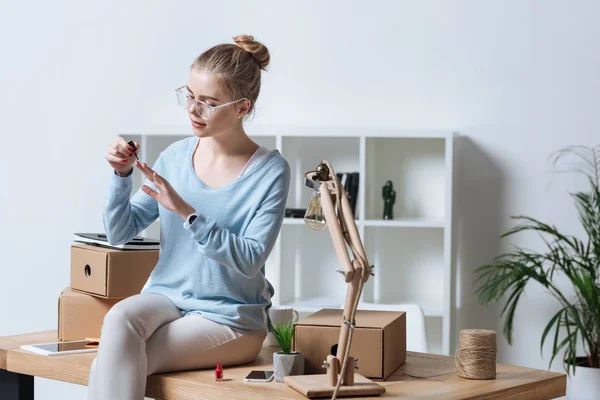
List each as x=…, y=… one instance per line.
x=436, y=377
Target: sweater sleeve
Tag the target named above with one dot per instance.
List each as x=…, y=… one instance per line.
x=248, y=253
x=125, y=216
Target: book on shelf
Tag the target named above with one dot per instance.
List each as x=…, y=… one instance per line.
x=295, y=212
x=100, y=239
x=350, y=182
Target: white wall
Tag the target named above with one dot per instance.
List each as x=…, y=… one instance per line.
x=518, y=78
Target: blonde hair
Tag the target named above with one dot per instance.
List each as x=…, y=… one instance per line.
x=237, y=66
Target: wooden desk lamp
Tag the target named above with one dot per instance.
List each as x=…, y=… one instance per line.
x=341, y=379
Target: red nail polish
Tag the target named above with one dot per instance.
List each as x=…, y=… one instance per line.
x=219, y=372
x=124, y=160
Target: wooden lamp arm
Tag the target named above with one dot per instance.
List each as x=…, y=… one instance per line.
x=344, y=233
x=335, y=231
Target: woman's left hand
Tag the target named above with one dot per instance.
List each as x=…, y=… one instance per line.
x=166, y=195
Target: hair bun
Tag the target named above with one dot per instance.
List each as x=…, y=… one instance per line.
x=257, y=49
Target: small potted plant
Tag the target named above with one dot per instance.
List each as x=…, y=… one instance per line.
x=286, y=362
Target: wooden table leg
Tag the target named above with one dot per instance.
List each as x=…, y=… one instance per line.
x=15, y=386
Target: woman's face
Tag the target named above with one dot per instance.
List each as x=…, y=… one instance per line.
x=205, y=87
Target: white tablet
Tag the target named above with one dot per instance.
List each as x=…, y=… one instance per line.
x=58, y=348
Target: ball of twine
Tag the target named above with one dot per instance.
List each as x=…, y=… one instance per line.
x=476, y=355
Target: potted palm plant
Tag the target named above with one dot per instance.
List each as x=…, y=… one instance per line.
x=576, y=259
x=286, y=362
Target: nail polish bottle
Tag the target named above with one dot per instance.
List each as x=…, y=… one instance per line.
x=219, y=372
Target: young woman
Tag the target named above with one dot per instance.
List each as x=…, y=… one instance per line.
x=220, y=198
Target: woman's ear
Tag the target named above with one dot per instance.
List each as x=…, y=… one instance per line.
x=244, y=107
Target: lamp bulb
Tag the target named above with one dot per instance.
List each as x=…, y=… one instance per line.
x=314, y=218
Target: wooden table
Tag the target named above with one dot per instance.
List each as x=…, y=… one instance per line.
x=18, y=367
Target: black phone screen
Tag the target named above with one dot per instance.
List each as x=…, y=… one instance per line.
x=259, y=375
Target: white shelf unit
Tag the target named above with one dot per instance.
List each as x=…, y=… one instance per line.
x=411, y=253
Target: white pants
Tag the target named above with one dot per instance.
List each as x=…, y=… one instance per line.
x=146, y=334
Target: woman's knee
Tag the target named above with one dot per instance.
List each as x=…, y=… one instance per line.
x=92, y=384
x=255, y=347
x=245, y=349
x=93, y=367
x=121, y=317
x=117, y=315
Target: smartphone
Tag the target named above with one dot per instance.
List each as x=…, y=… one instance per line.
x=60, y=348
x=259, y=376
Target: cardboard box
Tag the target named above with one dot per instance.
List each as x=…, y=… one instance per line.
x=81, y=315
x=378, y=341
x=110, y=273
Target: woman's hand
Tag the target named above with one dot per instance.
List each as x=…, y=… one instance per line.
x=120, y=156
x=166, y=195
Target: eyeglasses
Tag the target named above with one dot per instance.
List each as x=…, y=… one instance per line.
x=185, y=100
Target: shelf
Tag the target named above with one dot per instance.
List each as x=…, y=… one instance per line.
x=308, y=265
x=406, y=223
x=397, y=223
x=293, y=221
x=417, y=170
x=430, y=309
x=409, y=267
x=314, y=304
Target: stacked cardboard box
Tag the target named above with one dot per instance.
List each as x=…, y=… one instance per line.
x=378, y=341
x=100, y=278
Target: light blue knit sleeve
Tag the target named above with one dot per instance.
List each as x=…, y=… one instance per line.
x=125, y=216
x=248, y=253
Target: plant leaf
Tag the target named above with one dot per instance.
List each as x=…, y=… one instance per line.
x=554, y=320
x=284, y=334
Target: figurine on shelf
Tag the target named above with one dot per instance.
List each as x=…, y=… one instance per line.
x=389, y=198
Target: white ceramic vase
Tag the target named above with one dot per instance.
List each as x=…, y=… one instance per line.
x=287, y=365
x=584, y=384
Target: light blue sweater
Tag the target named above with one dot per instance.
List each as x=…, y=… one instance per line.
x=216, y=267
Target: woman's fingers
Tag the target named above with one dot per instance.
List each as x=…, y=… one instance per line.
x=151, y=174
x=124, y=145
x=118, y=150
x=112, y=158
x=144, y=170
x=116, y=153
x=149, y=191
x=159, y=180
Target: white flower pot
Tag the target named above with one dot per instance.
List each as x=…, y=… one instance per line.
x=584, y=384
x=287, y=365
